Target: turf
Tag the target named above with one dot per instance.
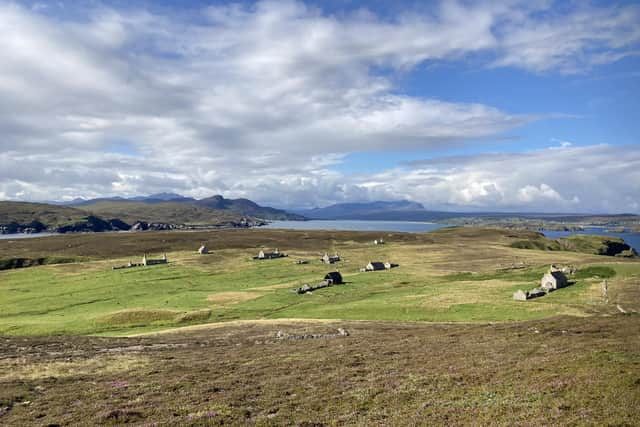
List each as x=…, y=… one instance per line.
x=455, y=275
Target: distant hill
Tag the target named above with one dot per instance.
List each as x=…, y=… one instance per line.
x=25, y=212
x=24, y=217
x=378, y=210
x=120, y=214
x=161, y=212
x=247, y=207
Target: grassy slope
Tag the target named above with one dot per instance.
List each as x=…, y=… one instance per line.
x=585, y=243
x=589, y=243
x=174, y=213
x=49, y=215
x=450, y=275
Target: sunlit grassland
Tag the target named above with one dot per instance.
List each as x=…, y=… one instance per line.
x=460, y=281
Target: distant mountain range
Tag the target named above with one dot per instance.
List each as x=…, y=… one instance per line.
x=153, y=198
x=400, y=210
x=404, y=210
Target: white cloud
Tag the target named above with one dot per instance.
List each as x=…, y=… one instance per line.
x=571, y=42
x=573, y=179
x=541, y=194
x=260, y=100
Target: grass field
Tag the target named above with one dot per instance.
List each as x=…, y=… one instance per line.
x=219, y=339
x=457, y=275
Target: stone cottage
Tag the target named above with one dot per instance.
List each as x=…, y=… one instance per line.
x=553, y=279
x=334, y=277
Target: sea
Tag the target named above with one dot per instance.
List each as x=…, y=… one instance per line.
x=357, y=225
x=25, y=235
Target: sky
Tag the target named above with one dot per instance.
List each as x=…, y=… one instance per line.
x=529, y=106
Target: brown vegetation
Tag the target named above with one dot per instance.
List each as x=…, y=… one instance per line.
x=551, y=372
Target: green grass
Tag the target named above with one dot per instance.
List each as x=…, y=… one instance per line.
x=58, y=300
x=542, y=244
x=596, y=272
x=10, y=263
x=433, y=283
x=554, y=366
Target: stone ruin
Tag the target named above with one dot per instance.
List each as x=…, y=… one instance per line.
x=295, y=337
x=552, y=280
x=270, y=255
x=330, y=279
x=378, y=265
x=145, y=262
x=330, y=259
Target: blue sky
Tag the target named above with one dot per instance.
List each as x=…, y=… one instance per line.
x=601, y=106
x=465, y=105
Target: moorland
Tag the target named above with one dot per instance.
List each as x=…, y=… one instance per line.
x=220, y=338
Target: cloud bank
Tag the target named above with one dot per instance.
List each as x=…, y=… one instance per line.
x=261, y=100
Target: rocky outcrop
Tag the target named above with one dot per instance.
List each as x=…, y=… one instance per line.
x=14, y=227
x=630, y=253
x=91, y=224
x=614, y=248
x=119, y=225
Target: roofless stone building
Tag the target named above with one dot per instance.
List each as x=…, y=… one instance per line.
x=148, y=261
x=553, y=279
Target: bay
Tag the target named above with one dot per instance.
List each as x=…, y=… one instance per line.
x=26, y=235
x=357, y=225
